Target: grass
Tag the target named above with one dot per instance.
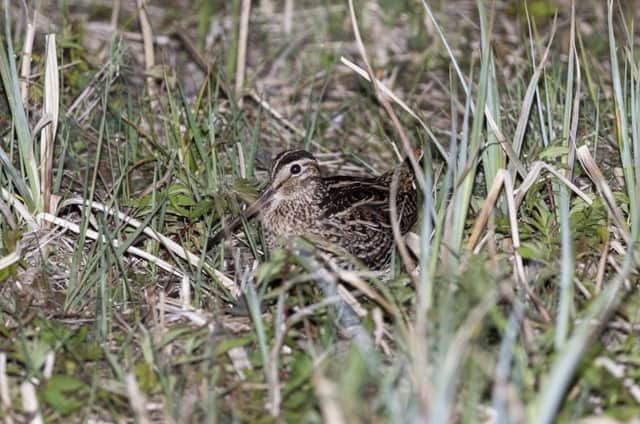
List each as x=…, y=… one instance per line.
x=115, y=305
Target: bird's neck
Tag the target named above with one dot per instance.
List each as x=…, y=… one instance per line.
x=310, y=196
x=298, y=209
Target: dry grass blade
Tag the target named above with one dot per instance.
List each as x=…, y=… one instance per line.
x=619, y=371
x=527, y=102
x=93, y=235
x=12, y=257
x=175, y=310
x=48, y=134
x=240, y=361
x=149, y=54
x=327, y=395
x=25, y=67
x=137, y=400
x=243, y=34
x=515, y=232
x=508, y=150
x=408, y=263
x=354, y=280
x=593, y=171
x=573, y=131
x=30, y=402
x=534, y=172
x=288, y=16
x=5, y=398
x=20, y=208
x=115, y=13
x=6, y=213
x=412, y=241
x=285, y=122
x=185, y=291
x=387, y=92
x=266, y=8
x=350, y=300
x=174, y=247
x=487, y=207
x=88, y=99
x=503, y=179
x=602, y=263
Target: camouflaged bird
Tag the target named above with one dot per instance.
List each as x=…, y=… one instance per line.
x=350, y=213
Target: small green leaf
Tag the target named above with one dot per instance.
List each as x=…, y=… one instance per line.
x=541, y=9
x=554, y=152
x=300, y=373
x=533, y=251
x=65, y=383
x=64, y=393
x=145, y=376
x=245, y=190
x=227, y=344
x=267, y=271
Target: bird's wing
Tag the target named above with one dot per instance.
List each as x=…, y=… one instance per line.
x=367, y=199
x=346, y=193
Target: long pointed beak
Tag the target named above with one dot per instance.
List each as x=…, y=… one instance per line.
x=251, y=211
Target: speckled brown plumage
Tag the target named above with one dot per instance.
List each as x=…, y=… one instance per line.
x=350, y=213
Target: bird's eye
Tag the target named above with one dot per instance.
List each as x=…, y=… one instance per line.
x=295, y=169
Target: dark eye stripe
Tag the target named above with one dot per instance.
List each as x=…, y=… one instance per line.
x=289, y=156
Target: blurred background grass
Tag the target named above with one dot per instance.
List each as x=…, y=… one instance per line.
x=524, y=306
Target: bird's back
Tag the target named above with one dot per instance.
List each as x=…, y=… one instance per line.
x=356, y=213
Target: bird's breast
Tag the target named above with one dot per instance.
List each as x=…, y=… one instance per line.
x=285, y=218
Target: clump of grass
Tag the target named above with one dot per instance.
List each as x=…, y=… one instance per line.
x=114, y=303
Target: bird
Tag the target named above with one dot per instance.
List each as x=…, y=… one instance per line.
x=343, y=214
